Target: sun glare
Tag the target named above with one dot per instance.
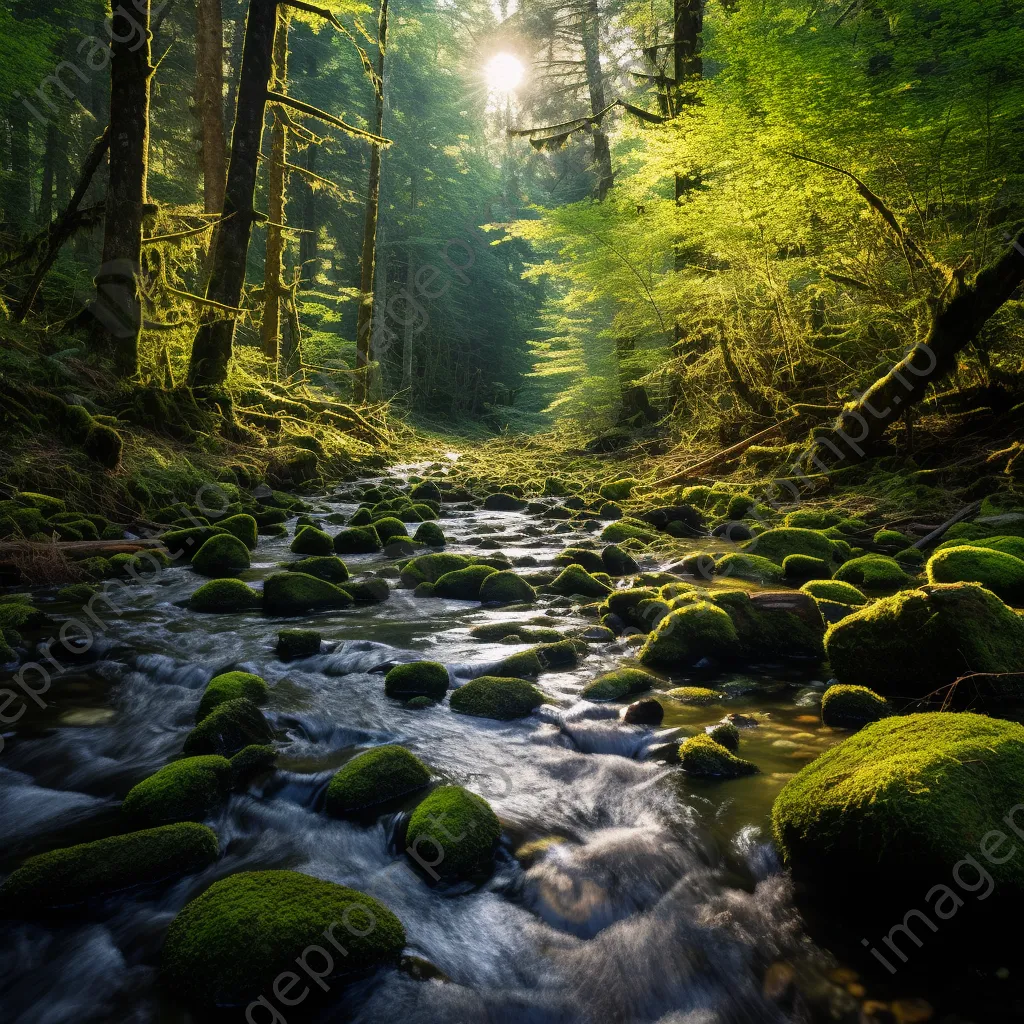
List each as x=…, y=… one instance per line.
x=505, y=73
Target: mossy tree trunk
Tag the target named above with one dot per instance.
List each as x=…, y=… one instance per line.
x=364, y=322
x=211, y=349
x=209, y=102
x=591, y=34
x=18, y=197
x=308, y=241
x=118, y=305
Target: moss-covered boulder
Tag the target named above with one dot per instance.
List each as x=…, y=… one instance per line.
x=702, y=757
x=221, y=555
x=618, y=490
x=806, y=567
x=389, y=528
x=574, y=580
x=628, y=529
x=497, y=697
x=76, y=874
x=587, y=559
x=186, y=790
x=324, y=567
x=618, y=562
x=430, y=568
x=777, y=544
x=371, y=591
x=749, y=567
x=375, y=777
x=224, y=596
x=417, y=679
x=619, y=684
x=506, y=588
x=231, y=686
x=997, y=571
x=873, y=572
x=103, y=445
x=684, y=636
x=232, y=943
x=495, y=632
x=852, y=707
x=430, y=534
x=243, y=527
x=698, y=696
x=779, y=624
x=183, y=544
x=358, y=540
x=463, y=584
x=295, y=593
x=311, y=541
x=453, y=834
x=834, y=590
x=45, y=503
x=228, y=728
x=912, y=643
x=725, y=734
x=251, y=762
x=905, y=799
x=501, y=502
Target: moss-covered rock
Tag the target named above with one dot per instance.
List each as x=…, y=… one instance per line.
x=783, y=624
x=834, y=590
x=453, y=834
x=873, y=572
x=224, y=596
x=358, y=540
x=295, y=593
x=497, y=631
x=323, y=567
x=619, y=684
x=699, y=696
x=243, y=527
x=183, y=544
x=904, y=799
x=524, y=664
x=45, y=503
x=997, y=571
x=913, y=642
x=430, y=534
x=463, y=584
x=852, y=707
x=228, y=728
x=628, y=529
x=388, y=528
x=501, y=502
x=749, y=567
x=506, y=588
x=499, y=697
x=375, y=777
x=231, y=686
x=589, y=560
x=371, y=591
x=186, y=790
x=618, y=562
x=243, y=934
x=618, y=490
x=688, y=634
x=725, y=734
x=76, y=874
x=805, y=567
x=417, y=679
x=703, y=757
x=311, y=541
x=222, y=555
x=251, y=762
x=430, y=568
x=298, y=643
x=103, y=445
x=575, y=580
x=778, y=543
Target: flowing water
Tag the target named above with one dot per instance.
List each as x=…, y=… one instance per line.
x=664, y=902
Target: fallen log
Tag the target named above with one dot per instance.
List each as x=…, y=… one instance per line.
x=77, y=548
x=937, y=534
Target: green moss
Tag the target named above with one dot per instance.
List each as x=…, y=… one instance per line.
x=874, y=572
x=912, y=643
x=749, y=567
x=389, y=528
x=46, y=504
x=524, y=664
x=453, y=831
x=904, y=799
x=103, y=445
x=891, y=539
x=777, y=543
x=496, y=631
x=243, y=527
x=499, y=697
x=688, y=634
x=1008, y=545
x=295, y=593
x=417, y=679
x=371, y=591
x=995, y=570
x=703, y=757
x=700, y=696
x=852, y=707
x=725, y=734
x=501, y=502
x=575, y=580
x=224, y=596
x=589, y=560
x=610, y=510
x=358, y=540
x=228, y=728
x=423, y=589
x=430, y=534
x=77, y=593
x=430, y=568
x=619, y=490
x=230, y=944
x=463, y=584
x=323, y=567
x=813, y=519
x=298, y=643
x=222, y=555
x=426, y=491
x=618, y=684
x=618, y=562
x=311, y=541
x=834, y=590
x=231, y=686
x=777, y=626
x=75, y=874
x=95, y=568
x=506, y=588
x=804, y=567
x=251, y=762
x=628, y=529
x=361, y=517
x=375, y=777
x=186, y=790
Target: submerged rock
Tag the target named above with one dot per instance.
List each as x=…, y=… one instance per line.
x=298, y=643
x=644, y=712
x=375, y=777
x=186, y=790
x=499, y=697
x=453, y=834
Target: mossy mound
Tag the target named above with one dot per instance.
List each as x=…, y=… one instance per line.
x=834, y=590
x=502, y=502
x=703, y=757
x=463, y=584
x=184, y=544
x=417, y=679
x=425, y=491
x=749, y=567
x=388, y=528
x=323, y=567
x=699, y=696
x=231, y=686
x=295, y=593
x=358, y=540
x=375, y=777
x=575, y=580
x=777, y=544
x=243, y=527
x=224, y=596
x=497, y=631
x=371, y=591
x=524, y=664
x=76, y=874
x=891, y=539
x=873, y=572
x=912, y=643
x=589, y=560
x=430, y=534
x=688, y=634
x=852, y=707
x=805, y=567
x=453, y=833
x=628, y=529
x=499, y=697
x=904, y=799
x=311, y=541
x=997, y=571
x=506, y=588
x=619, y=684
x=725, y=734
x=221, y=555
x=186, y=790
x=243, y=934
x=813, y=519
x=1008, y=545
x=46, y=504
x=250, y=762
x=361, y=517
x=618, y=562
x=430, y=568
x=618, y=490
x=785, y=624
x=228, y=728
x=103, y=445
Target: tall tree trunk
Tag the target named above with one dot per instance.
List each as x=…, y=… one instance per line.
x=210, y=102
x=591, y=32
x=50, y=158
x=364, y=322
x=118, y=305
x=211, y=349
x=270, y=330
x=18, y=194
x=308, y=260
